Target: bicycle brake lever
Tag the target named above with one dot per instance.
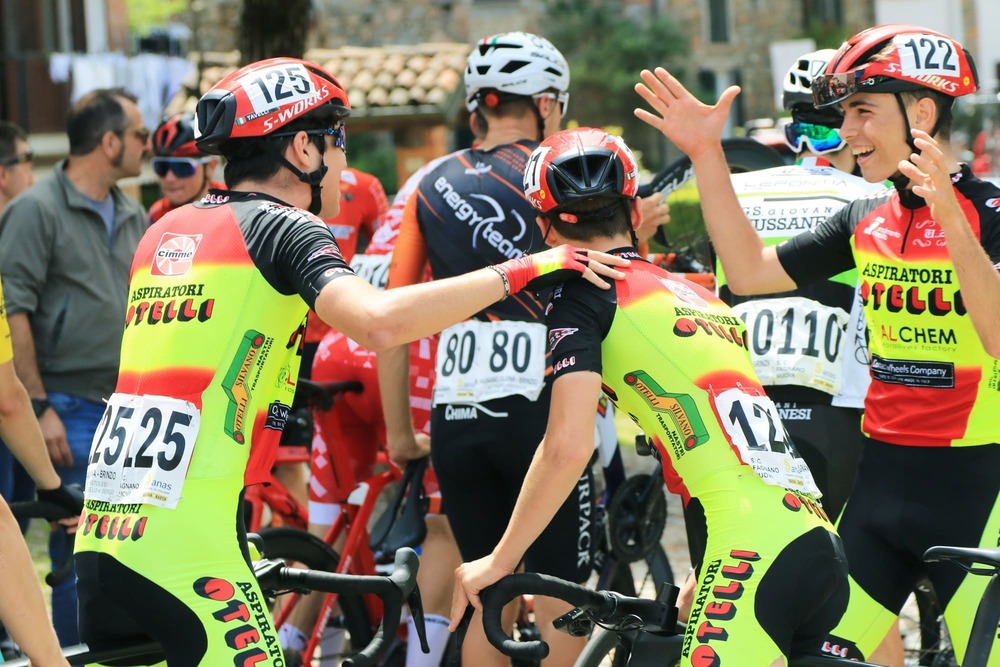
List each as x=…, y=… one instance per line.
x=416, y=605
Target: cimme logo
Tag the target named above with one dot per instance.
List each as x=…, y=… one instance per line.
x=174, y=254
x=993, y=203
x=557, y=335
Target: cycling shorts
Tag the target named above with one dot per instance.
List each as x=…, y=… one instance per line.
x=207, y=610
x=767, y=588
x=481, y=454
x=905, y=500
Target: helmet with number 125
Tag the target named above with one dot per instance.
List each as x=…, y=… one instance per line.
x=260, y=98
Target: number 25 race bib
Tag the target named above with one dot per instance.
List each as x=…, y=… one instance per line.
x=479, y=361
x=142, y=450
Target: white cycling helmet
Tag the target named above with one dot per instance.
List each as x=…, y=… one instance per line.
x=797, y=86
x=516, y=63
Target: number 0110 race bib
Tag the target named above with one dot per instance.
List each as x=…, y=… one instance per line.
x=479, y=361
x=142, y=450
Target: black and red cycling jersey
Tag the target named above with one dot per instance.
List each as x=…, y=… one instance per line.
x=470, y=212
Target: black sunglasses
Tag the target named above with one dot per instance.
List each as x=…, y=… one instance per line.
x=20, y=158
x=338, y=132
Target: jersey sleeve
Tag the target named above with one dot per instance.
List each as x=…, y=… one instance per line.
x=578, y=319
x=822, y=252
x=409, y=256
x=295, y=254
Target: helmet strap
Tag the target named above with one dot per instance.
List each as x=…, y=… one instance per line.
x=313, y=179
x=899, y=181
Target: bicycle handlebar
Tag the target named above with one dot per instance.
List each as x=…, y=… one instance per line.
x=604, y=607
x=41, y=509
x=393, y=590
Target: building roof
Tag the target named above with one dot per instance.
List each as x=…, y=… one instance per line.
x=388, y=86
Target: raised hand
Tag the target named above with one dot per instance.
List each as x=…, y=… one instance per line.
x=929, y=174
x=691, y=125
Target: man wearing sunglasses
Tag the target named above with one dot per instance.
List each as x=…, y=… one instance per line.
x=15, y=163
x=66, y=245
x=184, y=172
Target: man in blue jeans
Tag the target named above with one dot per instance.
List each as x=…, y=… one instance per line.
x=66, y=245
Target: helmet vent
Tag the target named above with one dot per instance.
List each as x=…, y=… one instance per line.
x=514, y=65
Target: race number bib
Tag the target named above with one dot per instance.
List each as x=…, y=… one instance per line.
x=797, y=341
x=142, y=450
x=754, y=427
x=373, y=268
x=480, y=361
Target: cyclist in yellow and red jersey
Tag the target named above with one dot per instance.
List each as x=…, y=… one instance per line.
x=927, y=253
x=184, y=172
x=217, y=300
x=490, y=394
x=675, y=358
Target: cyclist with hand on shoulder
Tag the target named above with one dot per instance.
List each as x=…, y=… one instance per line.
x=927, y=253
x=674, y=357
x=218, y=297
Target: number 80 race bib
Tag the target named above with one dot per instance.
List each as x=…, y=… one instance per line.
x=479, y=361
x=142, y=450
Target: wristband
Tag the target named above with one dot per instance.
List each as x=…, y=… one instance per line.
x=506, y=281
x=40, y=405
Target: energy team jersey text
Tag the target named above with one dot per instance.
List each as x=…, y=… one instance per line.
x=933, y=383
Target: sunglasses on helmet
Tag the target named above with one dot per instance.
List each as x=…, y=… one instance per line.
x=183, y=167
x=821, y=139
x=828, y=89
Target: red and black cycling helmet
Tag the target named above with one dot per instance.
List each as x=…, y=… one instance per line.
x=895, y=58
x=578, y=164
x=175, y=137
x=260, y=98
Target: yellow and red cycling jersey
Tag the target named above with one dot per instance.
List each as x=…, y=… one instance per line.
x=933, y=383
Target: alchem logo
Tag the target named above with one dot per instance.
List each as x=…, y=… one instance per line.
x=174, y=254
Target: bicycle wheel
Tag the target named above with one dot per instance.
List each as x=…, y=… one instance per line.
x=602, y=650
x=926, y=642
x=641, y=578
x=301, y=549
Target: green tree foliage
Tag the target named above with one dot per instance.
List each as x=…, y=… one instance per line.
x=607, y=46
x=143, y=15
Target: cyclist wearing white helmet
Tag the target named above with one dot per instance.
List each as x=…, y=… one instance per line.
x=927, y=252
x=490, y=398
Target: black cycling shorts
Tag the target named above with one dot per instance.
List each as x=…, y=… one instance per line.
x=481, y=455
